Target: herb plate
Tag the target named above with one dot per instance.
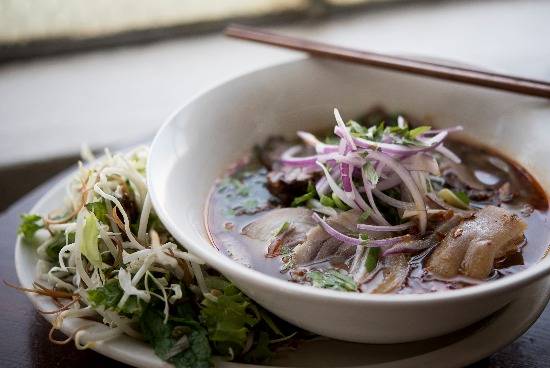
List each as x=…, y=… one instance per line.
x=456, y=349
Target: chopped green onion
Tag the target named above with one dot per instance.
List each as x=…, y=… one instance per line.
x=372, y=258
x=338, y=202
x=327, y=201
x=453, y=199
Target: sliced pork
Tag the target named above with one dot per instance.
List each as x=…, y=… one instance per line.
x=471, y=247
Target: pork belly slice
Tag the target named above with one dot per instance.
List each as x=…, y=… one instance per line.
x=471, y=247
x=320, y=245
x=299, y=221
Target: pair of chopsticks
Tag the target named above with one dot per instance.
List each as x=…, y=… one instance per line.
x=451, y=73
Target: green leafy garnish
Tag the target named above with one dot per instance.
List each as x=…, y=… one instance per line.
x=372, y=258
x=463, y=197
x=454, y=199
x=332, y=279
x=311, y=194
x=108, y=296
x=99, y=209
x=282, y=229
x=260, y=351
x=414, y=133
x=327, y=201
x=164, y=336
x=371, y=173
x=228, y=320
x=365, y=215
x=57, y=242
x=30, y=224
x=338, y=202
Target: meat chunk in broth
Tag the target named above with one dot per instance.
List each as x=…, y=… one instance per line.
x=282, y=227
x=319, y=244
x=471, y=247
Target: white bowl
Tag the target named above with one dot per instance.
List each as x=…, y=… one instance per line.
x=200, y=140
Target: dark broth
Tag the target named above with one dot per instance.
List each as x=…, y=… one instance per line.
x=241, y=197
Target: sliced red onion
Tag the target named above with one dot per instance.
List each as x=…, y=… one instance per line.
x=346, y=180
x=389, y=228
x=356, y=241
x=343, y=132
x=434, y=198
x=319, y=146
x=392, y=201
x=454, y=129
x=408, y=247
x=448, y=153
x=388, y=183
x=409, y=183
x=322, y=186
x=377, y=215
x=422, y=162
x=336, y=188
x=287, y=158
x=392, y=148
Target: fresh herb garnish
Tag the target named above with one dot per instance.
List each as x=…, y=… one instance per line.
x=108, y=296
x=338, y=202
x=30, y=224
x=327, y=201
x=458, y=200
x=332, y=279
x=99, y=209
x=372, y=258
x=371, y=173
x=311, y=194
x=164, y=337
x=228, y=320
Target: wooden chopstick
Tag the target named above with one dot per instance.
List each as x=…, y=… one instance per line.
x=456, y=74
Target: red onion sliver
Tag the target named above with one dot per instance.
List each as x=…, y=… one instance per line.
x=389, y=228
x=409, y=183
x=356, y=241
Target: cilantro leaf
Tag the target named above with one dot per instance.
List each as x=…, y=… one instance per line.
x=30, y=224
x=332, y=279
x=414, y=133
x=371, y=173
x=228, y=320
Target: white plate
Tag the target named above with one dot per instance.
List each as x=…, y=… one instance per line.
x=457, y=349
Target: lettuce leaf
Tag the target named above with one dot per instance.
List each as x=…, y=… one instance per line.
x=89, y=245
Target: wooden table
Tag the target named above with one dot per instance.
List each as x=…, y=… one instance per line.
x=24, y=332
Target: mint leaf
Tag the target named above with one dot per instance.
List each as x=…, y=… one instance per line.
x=163, y=336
